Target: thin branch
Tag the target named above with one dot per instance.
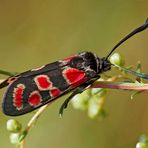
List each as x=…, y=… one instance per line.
x=31, y=123
x=7, y=73
x=22, y=144
x=36, y=116
x=123, y=86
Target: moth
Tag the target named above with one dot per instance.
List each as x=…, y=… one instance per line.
x=32, y=89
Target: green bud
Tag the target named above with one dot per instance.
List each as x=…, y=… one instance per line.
x=80, y=101
x=117, y=59
x=94, y=107
x=143, y=142
x=143, y=139
x=14, y=138
x=13, y=126
x=141, y=145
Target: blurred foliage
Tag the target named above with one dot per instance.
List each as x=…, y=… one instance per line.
x=143, y=142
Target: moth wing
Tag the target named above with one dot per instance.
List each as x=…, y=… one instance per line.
x=39, y=70
x=26, y=94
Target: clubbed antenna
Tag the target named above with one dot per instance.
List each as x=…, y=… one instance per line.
x=137, y=30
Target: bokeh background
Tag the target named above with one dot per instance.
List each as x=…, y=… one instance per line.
x=36, y=32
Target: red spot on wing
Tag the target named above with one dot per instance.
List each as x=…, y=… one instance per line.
x=74, y=76
x=43, y=82
x=34, y=98
x=55, y=92
x=18, y=96
x=79, y=82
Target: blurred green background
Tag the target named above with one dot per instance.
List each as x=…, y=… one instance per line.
x=36, y=32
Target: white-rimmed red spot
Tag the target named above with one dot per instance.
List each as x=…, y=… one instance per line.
x=55, y=92
x=79, y=82
x=73, y=75
x=18, y=96
x=43, y=82
x=34, y=98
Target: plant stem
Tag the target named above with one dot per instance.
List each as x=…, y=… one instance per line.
x=123, y=86
x=36, y=116
x=22, y=144
x=31, y=123
x=7, y=73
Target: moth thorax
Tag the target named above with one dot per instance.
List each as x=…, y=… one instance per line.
x=104, y=65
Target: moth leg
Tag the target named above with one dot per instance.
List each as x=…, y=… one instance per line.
x=78, y=90
x=65, y=103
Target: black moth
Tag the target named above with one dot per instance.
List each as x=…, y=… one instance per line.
x=32, y=89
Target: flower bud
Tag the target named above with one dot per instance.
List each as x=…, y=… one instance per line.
x=14, y=138
x=141, y=145
x=13, y=126
x=117, y=59
x=143, y=142
x=94, y=107
x=80, y=101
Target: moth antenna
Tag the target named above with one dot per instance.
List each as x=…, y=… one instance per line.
x=135, y=31
x=140, y=75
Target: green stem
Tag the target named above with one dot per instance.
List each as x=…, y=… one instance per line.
x=31, y=123
x=7, y=73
